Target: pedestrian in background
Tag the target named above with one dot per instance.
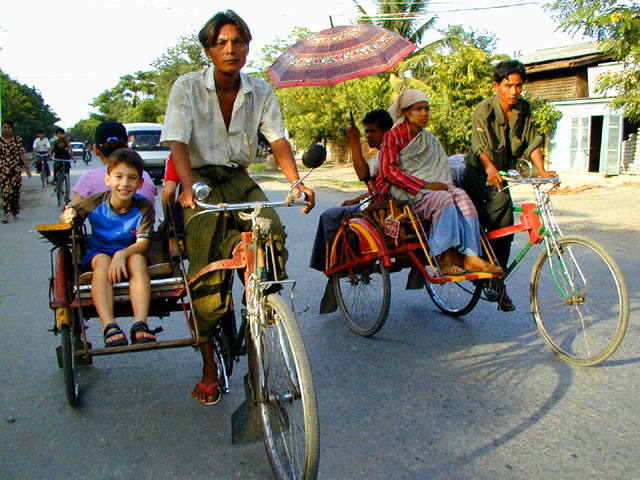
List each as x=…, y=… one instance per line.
x=12, y=160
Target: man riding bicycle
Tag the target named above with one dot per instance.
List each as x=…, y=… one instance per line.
x=61, y=150
x=41, y=146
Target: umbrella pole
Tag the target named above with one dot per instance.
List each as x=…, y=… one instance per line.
x=346, y=92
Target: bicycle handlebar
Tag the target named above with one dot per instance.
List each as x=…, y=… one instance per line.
x=515, y=177
x=202, y=191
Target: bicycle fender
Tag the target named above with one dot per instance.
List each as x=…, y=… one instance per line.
x=368, y=237
x=63, y=317
x=62, y=278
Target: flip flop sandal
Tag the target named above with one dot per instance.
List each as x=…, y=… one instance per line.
x=138, y=326
x=120, y=342
x=208, y=391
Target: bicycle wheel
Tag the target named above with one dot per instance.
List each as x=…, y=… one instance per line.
x=455, y=298
x=363, y=291
x=289, y=412
x=579, y=301
x=69, y=366
x=43, y=174
x=66, y=186
x=58, y=188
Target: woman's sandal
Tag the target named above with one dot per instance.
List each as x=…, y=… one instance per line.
x=208, y=389
x=116, y=330
x=142, y=326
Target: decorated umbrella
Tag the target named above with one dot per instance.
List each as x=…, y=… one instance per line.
x=339, y=54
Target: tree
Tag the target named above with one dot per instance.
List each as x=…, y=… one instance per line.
x=186, y=56
x=26, y=108
x=405, y=19
x=86, y=129
x=616, y=23
x=143, y=96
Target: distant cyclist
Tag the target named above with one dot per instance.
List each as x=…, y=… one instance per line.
x=61, y=150
x=86, y=152
x=41, y=147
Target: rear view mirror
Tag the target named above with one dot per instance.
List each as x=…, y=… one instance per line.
x=314, y=156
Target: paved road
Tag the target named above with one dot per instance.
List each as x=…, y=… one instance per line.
x=428, y=397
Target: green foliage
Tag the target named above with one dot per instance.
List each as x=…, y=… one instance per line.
x=86, y=129
x=143, y=96
x=187, y=56
x=617, y=25
x=545, y=116
x=26, y=108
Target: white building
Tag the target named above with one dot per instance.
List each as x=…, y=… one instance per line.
x=590, y=137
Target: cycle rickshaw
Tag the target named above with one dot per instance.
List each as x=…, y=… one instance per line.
x=280, y=405
x=578, y=295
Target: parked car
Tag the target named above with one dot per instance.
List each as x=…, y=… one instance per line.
x=77, y=148
x=144, y=138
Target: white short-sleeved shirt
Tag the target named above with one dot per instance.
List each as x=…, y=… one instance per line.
x=41, y=145
x=374, y=166
x=194, y=117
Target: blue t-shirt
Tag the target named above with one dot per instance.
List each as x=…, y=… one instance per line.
x=111, y=231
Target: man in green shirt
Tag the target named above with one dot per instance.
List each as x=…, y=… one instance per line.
x=503, y=132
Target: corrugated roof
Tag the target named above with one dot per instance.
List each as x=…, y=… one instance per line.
x=561, y=53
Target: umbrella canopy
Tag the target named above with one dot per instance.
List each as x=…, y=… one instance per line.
x=339, y=54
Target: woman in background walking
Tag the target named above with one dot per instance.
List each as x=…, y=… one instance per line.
x=12, y=160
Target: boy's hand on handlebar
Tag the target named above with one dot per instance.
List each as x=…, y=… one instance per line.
x=548, y=174
x=311, y=198
x=68, y=214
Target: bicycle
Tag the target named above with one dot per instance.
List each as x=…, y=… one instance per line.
x=43, y=160
x=279, y=382
x=578, y=295
x=62, y=184
x=280, y=403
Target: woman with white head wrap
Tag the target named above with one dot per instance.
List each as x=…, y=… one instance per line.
x=414, y=166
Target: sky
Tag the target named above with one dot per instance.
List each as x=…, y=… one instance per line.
x=73, y=50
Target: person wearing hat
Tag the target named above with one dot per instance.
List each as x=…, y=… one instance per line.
x=414, y=166
x=110, y=136
x=211, y=124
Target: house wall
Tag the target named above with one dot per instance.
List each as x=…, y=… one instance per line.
x=560, y=145
x=561, y=84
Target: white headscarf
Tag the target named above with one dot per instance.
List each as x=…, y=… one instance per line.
x=405, y=100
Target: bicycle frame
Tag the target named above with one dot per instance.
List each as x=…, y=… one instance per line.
x=538, y=219
x=249, y=254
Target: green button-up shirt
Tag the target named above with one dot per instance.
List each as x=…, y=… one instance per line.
x=490, y=134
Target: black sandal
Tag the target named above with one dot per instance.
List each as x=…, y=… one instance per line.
x=120, y=342
x=505, y=304
x=145, y=328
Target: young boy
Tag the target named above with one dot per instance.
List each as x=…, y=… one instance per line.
x=121, y=225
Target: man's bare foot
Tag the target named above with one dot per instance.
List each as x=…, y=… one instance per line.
x=450, y=263
x=476, y=264
x=447, y=268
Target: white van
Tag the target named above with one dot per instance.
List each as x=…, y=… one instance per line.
x=144, y=138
